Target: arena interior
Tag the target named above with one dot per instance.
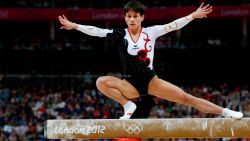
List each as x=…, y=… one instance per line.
x=49, y=73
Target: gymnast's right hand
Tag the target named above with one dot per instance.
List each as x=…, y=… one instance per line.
x=66, y=24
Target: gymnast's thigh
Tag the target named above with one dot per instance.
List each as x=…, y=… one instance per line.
x=127, y=89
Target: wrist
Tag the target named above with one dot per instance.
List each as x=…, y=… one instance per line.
x=75, y=26
x=190, y=17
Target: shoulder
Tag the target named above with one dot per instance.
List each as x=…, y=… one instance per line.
x=117, y=32
x=154, y=27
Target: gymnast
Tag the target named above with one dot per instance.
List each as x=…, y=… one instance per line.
x=136, y=50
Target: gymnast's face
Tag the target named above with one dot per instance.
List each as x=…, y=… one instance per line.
x=133, y=20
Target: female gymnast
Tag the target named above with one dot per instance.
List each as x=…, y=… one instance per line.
x=136, y=50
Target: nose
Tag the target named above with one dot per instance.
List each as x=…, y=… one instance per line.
x=132, y=19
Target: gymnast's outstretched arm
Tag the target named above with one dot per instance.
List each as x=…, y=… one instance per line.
x=201, y=12
x=90, y=30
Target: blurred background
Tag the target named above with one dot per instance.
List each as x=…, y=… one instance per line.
x=49, y=73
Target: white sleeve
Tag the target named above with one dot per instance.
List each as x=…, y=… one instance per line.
x=93, y=31
x=178, y=24
x=160, y=30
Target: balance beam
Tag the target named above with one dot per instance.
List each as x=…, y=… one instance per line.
x=147, y=128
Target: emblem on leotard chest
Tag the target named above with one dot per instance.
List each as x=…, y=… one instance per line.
x=135, y=47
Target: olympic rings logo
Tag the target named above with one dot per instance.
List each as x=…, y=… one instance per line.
x=133, y=128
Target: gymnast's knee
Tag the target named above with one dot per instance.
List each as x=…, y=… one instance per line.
x=187, y=99
x=101, y=82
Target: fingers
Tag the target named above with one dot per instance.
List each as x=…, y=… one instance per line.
x=201, y=5
x=205, y=7
x=66, y=24
x=203, y=12
x=62, y=20
x=208, y=10
x=59, y=17
x=65, y=17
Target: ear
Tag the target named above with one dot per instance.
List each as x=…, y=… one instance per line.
x=142, y=17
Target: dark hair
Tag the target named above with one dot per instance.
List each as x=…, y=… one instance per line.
x=135, y=6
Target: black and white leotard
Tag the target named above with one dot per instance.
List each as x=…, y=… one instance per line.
x=137, y=56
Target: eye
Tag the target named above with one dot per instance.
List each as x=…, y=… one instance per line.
x=129, y=16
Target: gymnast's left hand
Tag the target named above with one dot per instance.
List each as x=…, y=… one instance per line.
x=66, y=24
x=202, y=11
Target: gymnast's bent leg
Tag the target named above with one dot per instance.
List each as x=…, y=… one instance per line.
x=120, y=91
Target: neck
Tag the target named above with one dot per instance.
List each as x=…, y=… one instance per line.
x=135, y=31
